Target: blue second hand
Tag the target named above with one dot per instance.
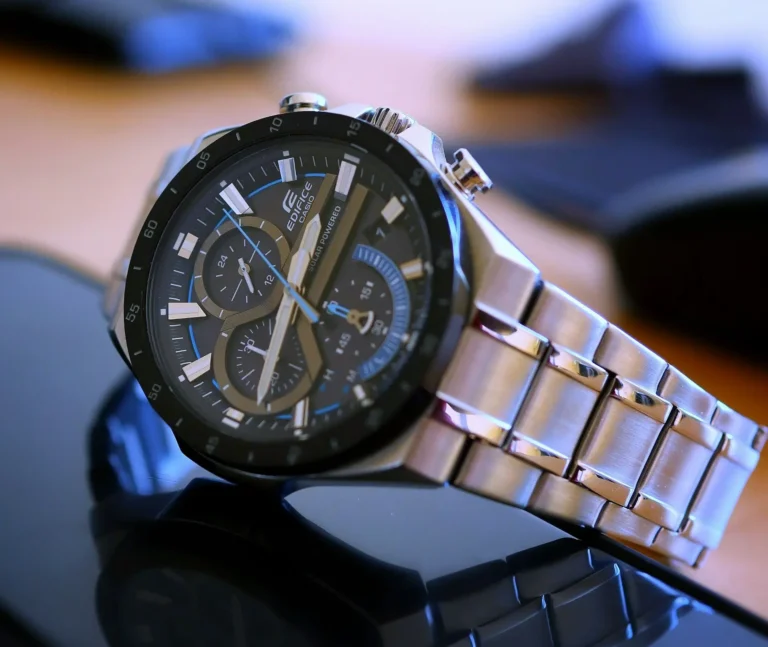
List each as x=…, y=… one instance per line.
x=300, y=301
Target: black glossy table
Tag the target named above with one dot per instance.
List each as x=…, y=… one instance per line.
x=109, y=536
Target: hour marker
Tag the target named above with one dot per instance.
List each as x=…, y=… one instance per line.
x=181, y=377
x=163, y=312
x=301, y=414
x=235, y=200
x=198, y=368
x=287, y=168
x=361, y=395
x=233, y=417
x=346, y=174
x=187, y=246
x=177, y=244
x=392, y=210
x=185, y=311
x=412, y=269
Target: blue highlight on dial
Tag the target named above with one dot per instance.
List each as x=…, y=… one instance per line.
x=401, y=302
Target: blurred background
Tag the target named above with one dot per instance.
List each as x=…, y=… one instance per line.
x=625, y=138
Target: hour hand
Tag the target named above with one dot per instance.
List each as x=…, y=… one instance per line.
x=245, y=272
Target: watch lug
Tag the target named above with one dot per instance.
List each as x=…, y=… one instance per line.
x=205, y=140
x=426, y=143
x=503, y=278
x=386, y=466
x=358, y=110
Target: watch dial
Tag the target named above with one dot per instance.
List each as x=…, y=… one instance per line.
x=288, y=290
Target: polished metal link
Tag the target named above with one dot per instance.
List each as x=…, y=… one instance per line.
x=568, y=416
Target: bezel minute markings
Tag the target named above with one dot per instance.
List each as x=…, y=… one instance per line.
x=392, y=309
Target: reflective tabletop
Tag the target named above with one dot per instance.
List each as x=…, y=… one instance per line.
x=110, y=536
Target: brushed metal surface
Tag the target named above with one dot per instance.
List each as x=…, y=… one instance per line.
x=487, y=376
x=734, y=424
x=553, y=419
x=616, y=450
x=623, y=524
x=686, y=394
x=668, y=486
x=435, y=450
x=678, y=547
x=625, y=356
x=561, y=498
x=566, y=322
x=716, y=499
x=489, y=471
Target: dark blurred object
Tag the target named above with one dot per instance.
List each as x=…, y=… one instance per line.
x=145, y=35
x=615, y=50
x=674, y=178
x=14, y=634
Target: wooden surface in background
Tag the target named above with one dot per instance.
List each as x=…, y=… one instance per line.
x=81, y=145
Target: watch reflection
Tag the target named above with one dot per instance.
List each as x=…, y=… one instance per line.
x=189, y=560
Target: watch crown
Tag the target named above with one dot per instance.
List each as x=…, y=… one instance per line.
x=390, y=121
x=468, y=174
x=300, y=101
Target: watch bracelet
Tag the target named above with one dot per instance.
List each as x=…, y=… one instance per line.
x=568, y=416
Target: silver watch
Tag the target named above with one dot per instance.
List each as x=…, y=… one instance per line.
x=315, y=296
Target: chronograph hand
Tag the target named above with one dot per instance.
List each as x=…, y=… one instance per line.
x=296, y=272
x=308, y=310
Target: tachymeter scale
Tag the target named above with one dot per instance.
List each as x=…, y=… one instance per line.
x=282, y=194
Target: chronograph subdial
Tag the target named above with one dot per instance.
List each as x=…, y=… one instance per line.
x=238, y=362
x=367, y=314
x=230, y=276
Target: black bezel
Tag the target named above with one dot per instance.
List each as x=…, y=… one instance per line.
x=396, y=409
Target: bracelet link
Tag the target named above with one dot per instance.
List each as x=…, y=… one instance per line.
x=621, y=440
x=556, y=411
x=670, y=483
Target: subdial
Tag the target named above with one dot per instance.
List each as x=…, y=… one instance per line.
x=231, y=277
x=245, y=353
x=357, y=316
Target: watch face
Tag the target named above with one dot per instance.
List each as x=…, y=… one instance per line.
x=289, y=291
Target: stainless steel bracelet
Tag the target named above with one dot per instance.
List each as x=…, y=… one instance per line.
x=569, y=416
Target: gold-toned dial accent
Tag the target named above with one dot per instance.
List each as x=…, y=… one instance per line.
x=270, y=302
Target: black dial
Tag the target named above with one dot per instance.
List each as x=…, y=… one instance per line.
x=229, y=273
x=314, y=275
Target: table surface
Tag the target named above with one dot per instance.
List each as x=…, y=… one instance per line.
x=82, y=144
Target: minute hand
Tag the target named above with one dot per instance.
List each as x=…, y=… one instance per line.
x=332, y=254
x=296, y=272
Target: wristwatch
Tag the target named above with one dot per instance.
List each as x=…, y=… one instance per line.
x=316, y=295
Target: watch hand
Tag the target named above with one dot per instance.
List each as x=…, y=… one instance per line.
x=333, y=252
x=245, y=273
x=308, y=310
x=362, y=320
x=251, y=348
x=296, y=272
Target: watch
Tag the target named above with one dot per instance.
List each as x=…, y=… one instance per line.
x=316, y=295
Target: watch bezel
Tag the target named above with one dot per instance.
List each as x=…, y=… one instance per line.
x=402, y=403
